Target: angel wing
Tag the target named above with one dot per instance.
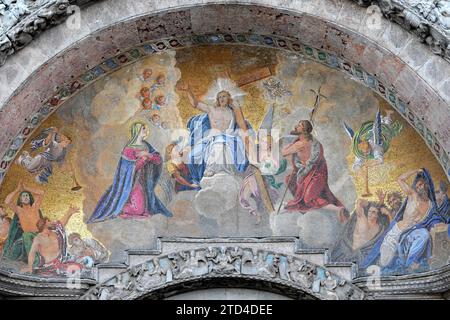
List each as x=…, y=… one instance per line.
x=167, y=186
x=267, y=123
x=348, y=129
x=377, y=137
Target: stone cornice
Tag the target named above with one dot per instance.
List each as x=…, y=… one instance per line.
x=433, y=284
x=21, y=285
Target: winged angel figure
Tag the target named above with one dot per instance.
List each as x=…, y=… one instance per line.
x=373, y=139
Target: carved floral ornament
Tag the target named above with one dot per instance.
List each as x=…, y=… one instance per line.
x=224, y=262
x=428, y=19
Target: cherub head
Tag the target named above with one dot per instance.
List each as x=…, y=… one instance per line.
x=160, y=100
x=155, y=118
x=147, y=73
x=147, y=104
x=145, y=92
x=161, y=79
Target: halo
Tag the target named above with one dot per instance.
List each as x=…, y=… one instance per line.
x=222, y=84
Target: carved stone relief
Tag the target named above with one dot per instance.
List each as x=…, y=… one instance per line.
x=222, y=261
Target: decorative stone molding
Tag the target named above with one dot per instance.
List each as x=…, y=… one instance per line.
x=22, y=20
x=428, y=285
x=224, y=262
x=27, y=286
x=428, y=19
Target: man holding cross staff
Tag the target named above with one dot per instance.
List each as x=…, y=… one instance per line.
x=308, y=181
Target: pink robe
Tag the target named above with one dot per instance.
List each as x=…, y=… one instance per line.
x=137, y=203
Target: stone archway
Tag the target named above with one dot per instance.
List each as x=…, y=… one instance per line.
x=225, y=266
x=40, y=77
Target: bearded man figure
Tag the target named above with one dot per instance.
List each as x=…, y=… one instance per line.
x=406, y=245
x=308, y=181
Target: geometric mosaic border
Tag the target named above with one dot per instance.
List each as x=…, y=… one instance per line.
x=146, y=49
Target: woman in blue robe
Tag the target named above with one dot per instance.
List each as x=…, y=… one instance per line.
x=132, y=193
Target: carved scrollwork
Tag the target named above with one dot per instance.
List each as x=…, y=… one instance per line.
x=25, y=31
x=428, y=19
x=23, y=20
x=222, y=261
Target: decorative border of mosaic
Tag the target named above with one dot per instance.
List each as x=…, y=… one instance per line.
x=321, y=56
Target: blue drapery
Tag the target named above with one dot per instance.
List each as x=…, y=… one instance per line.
x=198, y=127
x=406, y=252
x=117, y=195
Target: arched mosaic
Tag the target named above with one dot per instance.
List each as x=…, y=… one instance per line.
x=224, y=135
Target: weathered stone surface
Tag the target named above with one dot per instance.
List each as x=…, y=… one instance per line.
x=429, y=20
x=406, y=82
x=350, y=16
x=444, y=89
x=389, y=69
x=319, y=228
x=414, y=55
x=434, y=71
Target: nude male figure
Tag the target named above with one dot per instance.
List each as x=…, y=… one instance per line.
x=27, y=207
x=47, y=242
x=418, y=202
x=220, y=116
x=367, y=227
x=224, y=147
x=417, y=207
